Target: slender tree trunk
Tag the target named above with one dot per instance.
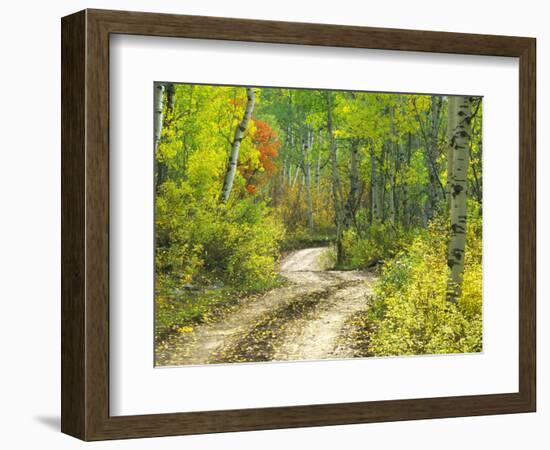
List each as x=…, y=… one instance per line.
x=460, y=142
x=289, y=174
x=158, y=105
x=375, y=193
x=318, y=171
x=451, y=125
x=306, y=166
x=336, y=188
x=166, y=121
x=406, y=210
x=295, y=179
x=392, y=161
x=354, y=186
x=382, y=183
x=170, y=97
x=234, y=155
x=193, y=107
x=476, y=185
x=399, y=189
x=434, y=187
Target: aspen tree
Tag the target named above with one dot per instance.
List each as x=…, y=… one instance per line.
x=235, y=145
x=462, y=112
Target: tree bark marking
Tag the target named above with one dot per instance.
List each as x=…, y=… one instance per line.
x=234, y=155
x=461, y=152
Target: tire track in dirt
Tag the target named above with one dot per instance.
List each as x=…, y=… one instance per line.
x=295, y=322
x=264, y=340
x=318, y=337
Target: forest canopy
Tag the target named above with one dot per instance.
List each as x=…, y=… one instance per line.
x=391, y=182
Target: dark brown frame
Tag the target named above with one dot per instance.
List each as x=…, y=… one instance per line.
x=85, y=224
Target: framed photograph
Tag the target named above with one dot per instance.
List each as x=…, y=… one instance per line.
x=273, y=225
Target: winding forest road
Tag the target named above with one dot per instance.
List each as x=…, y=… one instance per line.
x=307, y=319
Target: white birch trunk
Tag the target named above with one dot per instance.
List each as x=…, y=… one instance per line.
x=461, y=154
x=158, y=100
x=451, y=125
x=158, y=103
x=336, y=187
x=234, y=156
x=306, y=165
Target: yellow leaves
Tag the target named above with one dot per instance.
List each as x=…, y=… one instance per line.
x=187, y=329
x=168, y=148
x=339, y=133
x=187, y=278
x=421, y=102
x=205, y=172
x=416, y=318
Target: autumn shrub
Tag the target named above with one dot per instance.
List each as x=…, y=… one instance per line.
x=291, y=207
x=251, y=265
x=378, y=243
x=291, y=210
x=410, y=313
x=213, y=243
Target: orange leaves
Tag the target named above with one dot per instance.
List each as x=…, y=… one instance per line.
x=267, y=142
x=237, y=102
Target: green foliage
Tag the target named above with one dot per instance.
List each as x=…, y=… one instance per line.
x=378, y=243
x=212, y=243
x=410, y=314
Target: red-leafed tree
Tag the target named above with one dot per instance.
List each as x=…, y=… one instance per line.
x=267, y=142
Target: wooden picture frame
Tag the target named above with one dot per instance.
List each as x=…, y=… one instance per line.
x=85, y=224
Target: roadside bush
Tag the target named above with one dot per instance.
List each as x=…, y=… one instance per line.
x=210, y=243
x=379, y=243
x=410, y=314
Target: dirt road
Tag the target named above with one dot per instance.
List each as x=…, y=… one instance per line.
x=303, y=320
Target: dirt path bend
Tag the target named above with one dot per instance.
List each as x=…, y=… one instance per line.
x=300, y=321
